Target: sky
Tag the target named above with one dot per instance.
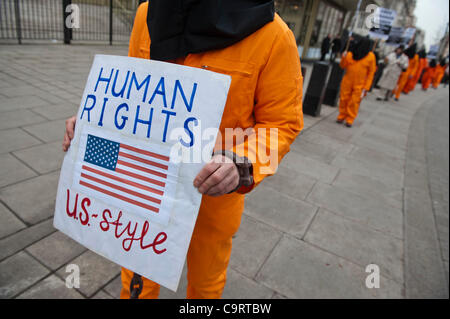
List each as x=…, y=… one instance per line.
x=432, y=16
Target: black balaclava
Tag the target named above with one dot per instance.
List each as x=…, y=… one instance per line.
x=433, y=63
x=422, y=54
x=361, y=48
x=411, y=51
x=180, y=27
x=443, y=62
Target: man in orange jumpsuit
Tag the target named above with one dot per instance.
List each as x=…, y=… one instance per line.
x=360, y=66
x=428, y=75
x=412, y=82
x=439, y=73
x=256, y=48
x=410, y=72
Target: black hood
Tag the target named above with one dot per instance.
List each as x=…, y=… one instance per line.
x=422, y=54
x=361, y=48
x=180, y=27
x=433, y=63
x=411, y=51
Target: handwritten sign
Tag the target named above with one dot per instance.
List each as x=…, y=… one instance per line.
x=126, y=185
x=383, y=20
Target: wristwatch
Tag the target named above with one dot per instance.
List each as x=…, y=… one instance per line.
x=244, y=166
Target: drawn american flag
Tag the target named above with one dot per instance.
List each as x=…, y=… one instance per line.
x=122, y=172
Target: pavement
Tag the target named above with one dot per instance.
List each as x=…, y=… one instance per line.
x=343, y=199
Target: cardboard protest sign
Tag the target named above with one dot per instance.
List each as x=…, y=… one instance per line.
x=126, y=185
x=395, y=36
x=433, y=52
x=383, y=20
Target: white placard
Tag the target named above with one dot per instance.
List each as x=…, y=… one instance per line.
x=126, y=185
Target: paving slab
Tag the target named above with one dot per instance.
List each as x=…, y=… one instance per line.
x=371, y=169
x=252, y=245
x=298, y=270
x=279, y=211
x=310, y=167
x=114, y=287
x=95, y=272
x=12, y=170
x=27, y=99
x=56, y=112
x=18, y=273
x=102, y=295
x=241, y=287
x=363, y=185
x=55, y=250
x=43, y=158
x=28, y=200
x=361, y=209
x=13, y=119
x=49, y=131
x=51, y=287
x=16, y=139
x=290, y=182
x=9, y=223
x=357, y=243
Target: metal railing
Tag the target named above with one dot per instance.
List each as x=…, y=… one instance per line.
x=92, y=20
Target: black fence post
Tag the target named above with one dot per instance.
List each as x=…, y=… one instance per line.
x=110, y=22
x=67, y=30
x=18, y=23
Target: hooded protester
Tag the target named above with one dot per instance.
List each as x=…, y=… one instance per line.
x=360, y=66
x=440, y=72
x=429, y=75
x=413, y=58
x=415, y=76
x=246, y=40
x=395, y=63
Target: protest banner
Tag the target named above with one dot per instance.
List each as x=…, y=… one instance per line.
x=382, y=23
x=433, y=52
x=126, y=185
x=408, y=35
x=395, y=36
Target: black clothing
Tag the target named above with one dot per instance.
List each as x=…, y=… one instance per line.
x=326, y=43
x=337, y=44
x=411, y=51
x=180, y=27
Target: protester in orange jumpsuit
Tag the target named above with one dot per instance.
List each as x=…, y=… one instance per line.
x=428, y=75
x=439, y=74
x=256, y=48
x=360, y=66
x=410, y=71
x=412, y=82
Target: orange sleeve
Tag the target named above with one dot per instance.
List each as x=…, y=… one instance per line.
x=371, y=71
x=277, y=109
x=139, y=46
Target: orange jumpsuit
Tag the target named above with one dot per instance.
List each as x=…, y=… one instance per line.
x=437, y=79
x=358, y=77
x=405, y=76
x=412, y=82
x=428, y=77
x=265, y=92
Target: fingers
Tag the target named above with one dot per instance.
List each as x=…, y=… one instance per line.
x=70, y=126
x=221, y=181
x=227, y=185
x=206, y=171
x=66, y=142
x=69, y=133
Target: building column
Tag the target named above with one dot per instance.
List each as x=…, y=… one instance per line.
x=311, y=22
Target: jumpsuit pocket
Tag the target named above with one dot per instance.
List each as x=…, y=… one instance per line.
x=240, y=99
